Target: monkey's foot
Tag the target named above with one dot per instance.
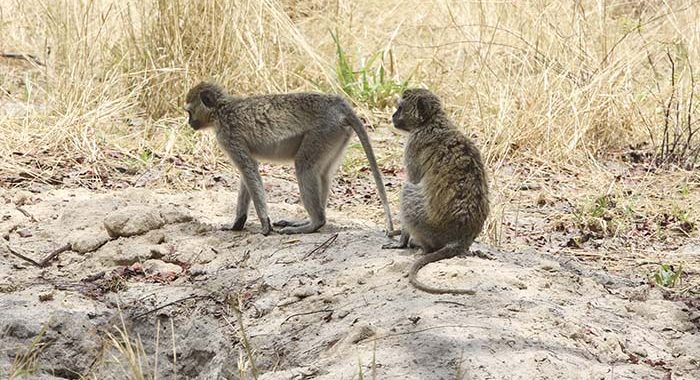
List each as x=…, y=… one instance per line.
x=291, y=223
x=266, y=227
x=302, y=229
x=235, y=226
x=398, y=245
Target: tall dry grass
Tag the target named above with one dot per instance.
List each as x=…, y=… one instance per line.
x=551, y=83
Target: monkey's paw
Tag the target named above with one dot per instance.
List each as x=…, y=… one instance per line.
x=235, y=226
x=290, y=223
x=266, y=227
x=394, y=246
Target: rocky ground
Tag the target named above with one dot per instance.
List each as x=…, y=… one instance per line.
x=143, y=284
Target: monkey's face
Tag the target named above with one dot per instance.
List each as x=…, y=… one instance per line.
x=415, y=109
x=405, y=118
x=198, y=116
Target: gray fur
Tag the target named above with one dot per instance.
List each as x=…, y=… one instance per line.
x=308, y=128
x=444, y=202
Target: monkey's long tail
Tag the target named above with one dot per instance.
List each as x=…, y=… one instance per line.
x=359, y=128
x=441, y=254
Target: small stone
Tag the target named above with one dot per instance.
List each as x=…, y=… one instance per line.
x=514, y=307
x=22, y=197
x=88, y=240
x=358, y=333
x=518, y=284
x=197, y=270
x=155, y=237
x=133, y=220
x=46, y=297
x=136, y=267
x=129, y=251
x=175, y=215
x=154, y=266
x=24, y=233
x=304, y=291
x=550, y=266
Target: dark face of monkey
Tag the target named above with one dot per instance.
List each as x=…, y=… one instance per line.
x=415, y=109
x=201, y=100
x=402, y=119
x=198, y=116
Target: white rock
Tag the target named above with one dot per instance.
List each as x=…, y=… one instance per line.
x=154, y=266
x=133, y=220
x=88, y=240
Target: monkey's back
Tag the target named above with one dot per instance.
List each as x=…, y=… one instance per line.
x=453, y=177
x=301, y=108
x=279, y=118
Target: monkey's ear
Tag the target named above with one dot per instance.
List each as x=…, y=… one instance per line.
x=208, y=98
x=425, y=108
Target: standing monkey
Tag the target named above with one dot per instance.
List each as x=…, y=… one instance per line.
x=310, y=129
x=444, y=202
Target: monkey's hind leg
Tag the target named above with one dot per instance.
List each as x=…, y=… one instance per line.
x=308, y=165
x=336, y=144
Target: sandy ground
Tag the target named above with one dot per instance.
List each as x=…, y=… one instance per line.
x=328, y=305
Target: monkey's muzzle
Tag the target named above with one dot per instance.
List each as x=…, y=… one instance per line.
x=195, y=124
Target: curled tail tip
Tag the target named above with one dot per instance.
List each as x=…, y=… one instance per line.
x=429, y=289
x=420, y=263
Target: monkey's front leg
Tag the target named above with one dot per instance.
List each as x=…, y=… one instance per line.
x=255, y=190
x=241, y=208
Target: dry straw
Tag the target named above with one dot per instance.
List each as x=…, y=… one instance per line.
x=551, y=84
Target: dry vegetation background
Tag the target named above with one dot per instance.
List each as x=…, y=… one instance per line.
x=576, y=104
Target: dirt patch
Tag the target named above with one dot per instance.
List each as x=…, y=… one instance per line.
x=152, y=272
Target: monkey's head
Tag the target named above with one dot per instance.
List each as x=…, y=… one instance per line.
x=415, y=109
x=201, y=101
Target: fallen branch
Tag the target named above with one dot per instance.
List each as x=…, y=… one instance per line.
x=26, y=213
x=54, y=254
x=21, y=256
x=169, y=304
x=450, y=302
x=306, y=313
x=27, y=57
x=323, y=246
x=426, y=329
x=43, y=263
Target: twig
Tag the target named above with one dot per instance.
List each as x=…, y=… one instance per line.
x=24, y=56
x=426, y=329
x=169, y=304
x=54, y=254
x=21, y=256
x=26, y=213
x=323, y=246
x=306, y=313
x=450, y=302
x=665, y=144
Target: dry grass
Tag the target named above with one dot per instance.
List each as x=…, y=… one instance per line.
x=25, y=362
x=550, y=86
